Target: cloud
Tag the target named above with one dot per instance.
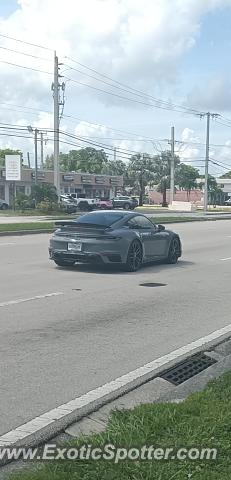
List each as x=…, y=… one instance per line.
x=214, y=96
x=133, y=41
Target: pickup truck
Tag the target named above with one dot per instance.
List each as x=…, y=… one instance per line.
x=84, y=203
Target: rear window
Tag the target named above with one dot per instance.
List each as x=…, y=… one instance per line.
x=105, y=218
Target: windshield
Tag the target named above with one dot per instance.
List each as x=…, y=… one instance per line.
x=101, y=218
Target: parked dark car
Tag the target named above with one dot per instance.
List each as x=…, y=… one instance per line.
x=128, y=203
x=113, y=237
x=3, y=205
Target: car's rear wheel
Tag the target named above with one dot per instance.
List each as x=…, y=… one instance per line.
x=135, y=256
x=64, y=263
x=174, y=251
x=126, y=206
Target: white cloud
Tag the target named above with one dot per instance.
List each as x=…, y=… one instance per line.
x=134, y=41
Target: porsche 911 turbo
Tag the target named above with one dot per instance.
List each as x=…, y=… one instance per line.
x=117, y=237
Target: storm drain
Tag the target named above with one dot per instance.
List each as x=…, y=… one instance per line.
x=149, y=284
x=188, y=368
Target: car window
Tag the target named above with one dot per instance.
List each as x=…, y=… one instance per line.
x=140, y=222
x=97, y=218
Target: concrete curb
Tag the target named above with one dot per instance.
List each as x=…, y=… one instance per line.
x=54, y=428
x=12, y=233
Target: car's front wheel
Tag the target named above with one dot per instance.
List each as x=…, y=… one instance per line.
x=126, y=206
x=135, y=256
x=64, y=263
x=174, y=251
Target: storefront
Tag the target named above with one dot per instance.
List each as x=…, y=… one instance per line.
x=90, y=185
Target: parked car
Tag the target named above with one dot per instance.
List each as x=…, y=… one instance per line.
x=105, y=204
x=3, y=205
x=116, y=237
x=128, y=203
x=68, y=205
x=228, y=202
x=83, y=203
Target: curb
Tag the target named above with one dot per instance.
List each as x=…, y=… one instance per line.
x=25, y=232
x=48, y=428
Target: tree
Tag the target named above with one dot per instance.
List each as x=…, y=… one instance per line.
x=7, y=151
x=44, y=192
x=114, y=167
x=226, y=175
x=141, y=170
x=162, y=167
x=87, y=160
x=186, y=177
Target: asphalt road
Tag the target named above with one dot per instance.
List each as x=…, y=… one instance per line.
x=100, y=323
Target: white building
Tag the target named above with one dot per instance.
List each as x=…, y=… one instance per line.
x=225, y=185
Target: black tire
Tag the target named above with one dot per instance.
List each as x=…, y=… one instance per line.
x=174, y=251
x=134, y=257
x=83, y=206
x=126, y=206
x=64, y=263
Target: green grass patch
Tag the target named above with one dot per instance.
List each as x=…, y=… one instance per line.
x=202, y=421
x=15, y=227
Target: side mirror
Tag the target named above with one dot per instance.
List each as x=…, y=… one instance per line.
x=161, y=228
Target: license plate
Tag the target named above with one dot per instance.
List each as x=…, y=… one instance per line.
x=74, y=247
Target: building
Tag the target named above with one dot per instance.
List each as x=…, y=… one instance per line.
x=82, y=183
x=225, y=185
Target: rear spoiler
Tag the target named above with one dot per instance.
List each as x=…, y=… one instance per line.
x=71, y=223
x=63, y=223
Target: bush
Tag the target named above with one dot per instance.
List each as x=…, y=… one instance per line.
x=47, y=206
x=23, y=202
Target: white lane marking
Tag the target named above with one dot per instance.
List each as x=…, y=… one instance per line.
x=50, y=417
x=224, y=259
x=23, y=300
x=6, y=244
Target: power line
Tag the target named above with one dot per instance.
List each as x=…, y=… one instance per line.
x=26, y=43
x=27, y=68
x=151, y=105
x=128, y=88
x=24, y=53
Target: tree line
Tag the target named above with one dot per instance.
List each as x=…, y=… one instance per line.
x=138, y=171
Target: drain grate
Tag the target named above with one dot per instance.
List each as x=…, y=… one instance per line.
x=188, y=368
x=150, y=284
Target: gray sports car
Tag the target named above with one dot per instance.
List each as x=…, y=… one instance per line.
x=113, y=237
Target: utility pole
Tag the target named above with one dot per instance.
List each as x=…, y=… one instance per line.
x=36, y=155
x=28, y=159
x=41, y=142
x=208, y=116
x=115, y=154
x=56, y=124
x=172, y=173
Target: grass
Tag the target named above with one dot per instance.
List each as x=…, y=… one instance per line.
x=15, y=227
x=203, y=420
x=40, y=226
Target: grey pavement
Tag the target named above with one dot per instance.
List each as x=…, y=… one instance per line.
x=104, y=324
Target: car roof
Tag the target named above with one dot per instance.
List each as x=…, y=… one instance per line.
x=123, y=213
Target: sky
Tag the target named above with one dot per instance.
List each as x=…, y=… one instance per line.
x=174, y=51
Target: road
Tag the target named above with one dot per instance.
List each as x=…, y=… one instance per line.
x=98, y=324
